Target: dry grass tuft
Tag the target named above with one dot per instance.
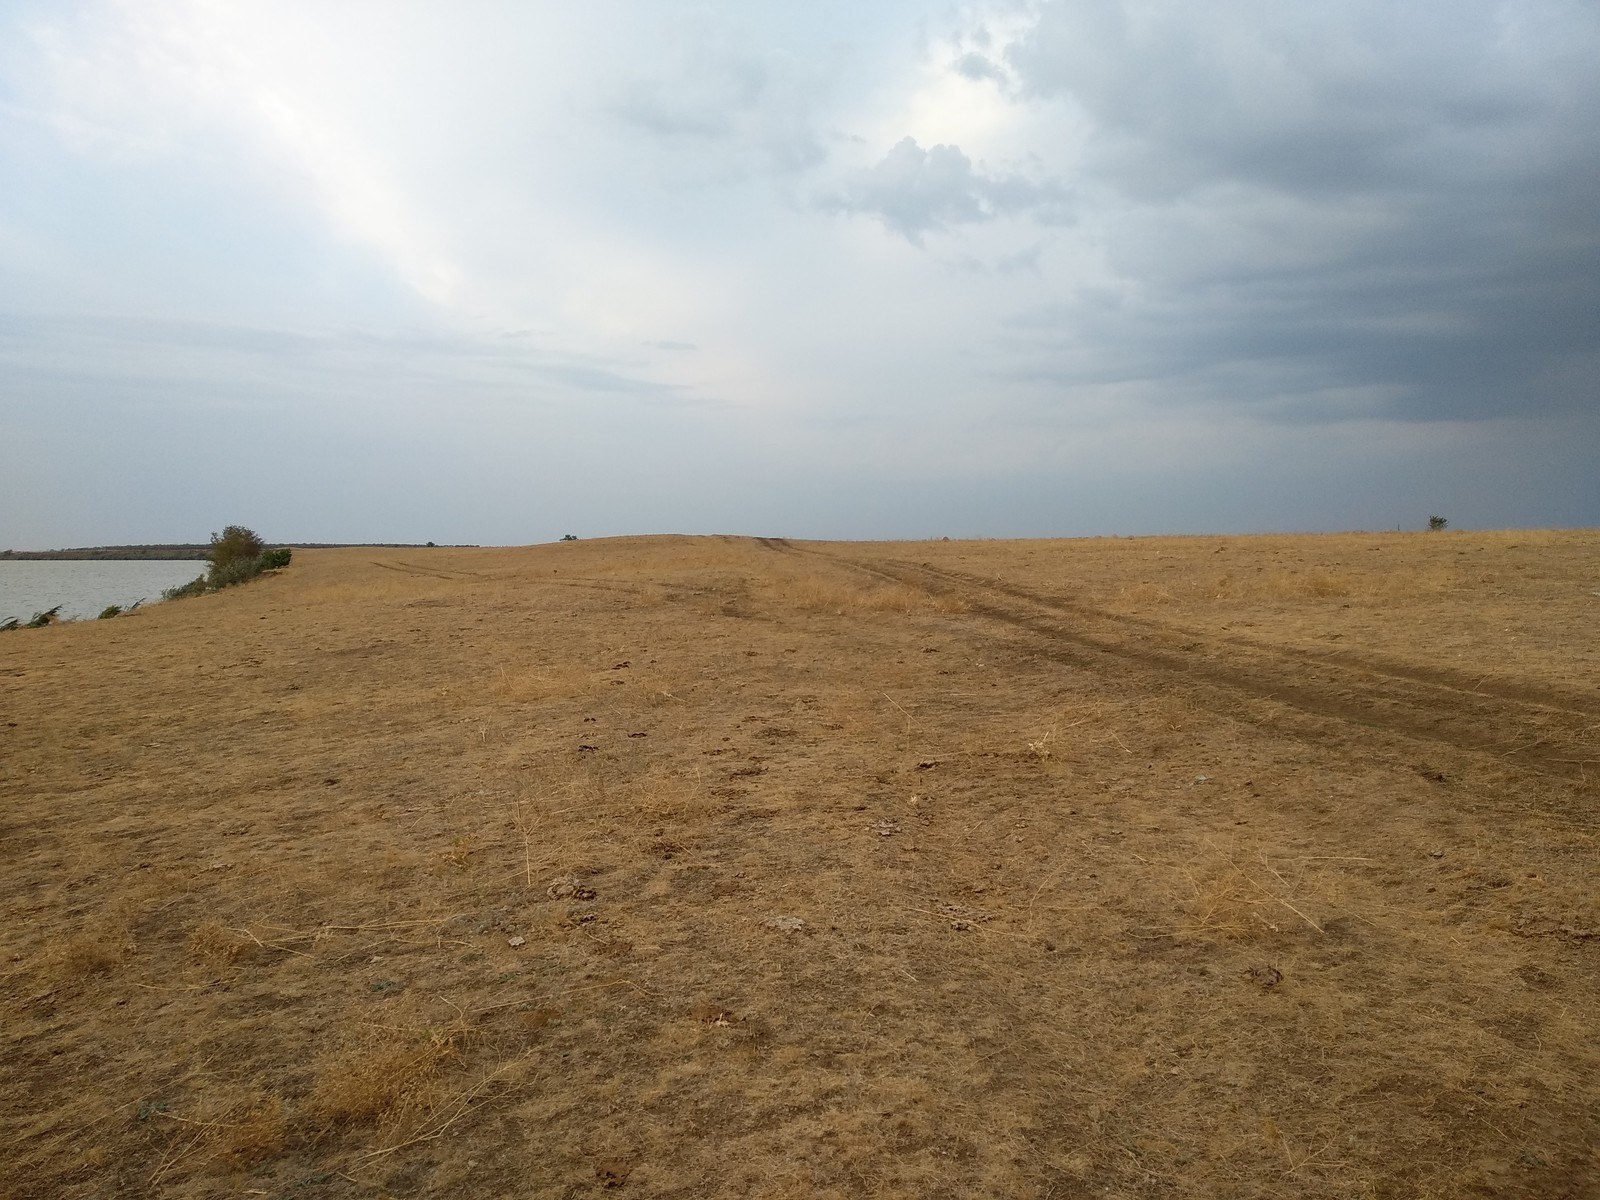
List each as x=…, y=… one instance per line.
x=839, y=594
x=89, y=952
x=383, y=1082
x=665, y=796
x=1243, y=901
x=838, y=599
x=261, y=1133
x=1323, y=583
x=947, y=602
x=526, y=685
x=213, y=945
x=1225, y=904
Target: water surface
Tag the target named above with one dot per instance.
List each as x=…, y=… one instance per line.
x=85, y=589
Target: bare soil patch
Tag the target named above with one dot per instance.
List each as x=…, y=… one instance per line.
x=685, y=867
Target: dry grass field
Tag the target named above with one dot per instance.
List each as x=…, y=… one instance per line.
x=716, y=867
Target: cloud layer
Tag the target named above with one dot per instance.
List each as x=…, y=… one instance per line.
x=915, y=192
x=1070, y=266
x=1396, y=207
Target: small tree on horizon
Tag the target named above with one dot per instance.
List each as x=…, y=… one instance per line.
x=1437, y=523
x=234, y=544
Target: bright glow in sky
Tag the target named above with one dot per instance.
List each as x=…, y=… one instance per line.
x=494, y=272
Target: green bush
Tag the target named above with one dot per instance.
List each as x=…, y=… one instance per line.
x=237, y=556
x=240, y=570
x=1437, y=523
x=243, y=570
x=109, y=611
x=234, y=544
x=194, y=587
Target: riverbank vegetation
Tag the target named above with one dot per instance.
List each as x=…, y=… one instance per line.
x=162, y=552
x=237, y=555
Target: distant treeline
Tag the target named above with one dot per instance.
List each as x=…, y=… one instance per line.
x=180, y=551
x=90, y=553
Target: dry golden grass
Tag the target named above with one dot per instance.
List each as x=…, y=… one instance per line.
x=1234, y=867
x=390, y=1080
x=815, y=586
x=214, y=947
x=260, y=1134
x=89, y=951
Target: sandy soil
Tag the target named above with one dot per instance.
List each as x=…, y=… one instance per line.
x=682, y=867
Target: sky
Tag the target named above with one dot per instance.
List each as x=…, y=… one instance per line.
x=494, y=272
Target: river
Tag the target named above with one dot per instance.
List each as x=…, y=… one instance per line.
x=85, y=589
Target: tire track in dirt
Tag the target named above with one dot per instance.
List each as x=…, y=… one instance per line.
x=405, y=568
x=1551, y=735
x=1541, y=696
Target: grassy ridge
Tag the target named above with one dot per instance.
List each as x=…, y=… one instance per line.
x=1227, y=867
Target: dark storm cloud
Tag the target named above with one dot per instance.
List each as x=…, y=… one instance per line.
x=1343, y=99
x=1431, y=323
x=915, y=191
x=1363, y=200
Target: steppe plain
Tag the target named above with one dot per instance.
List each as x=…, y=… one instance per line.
x=694, y=867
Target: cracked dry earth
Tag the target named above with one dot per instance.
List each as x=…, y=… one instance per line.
x=686, y=867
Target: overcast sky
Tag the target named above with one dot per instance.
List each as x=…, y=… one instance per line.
x=489, y=272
